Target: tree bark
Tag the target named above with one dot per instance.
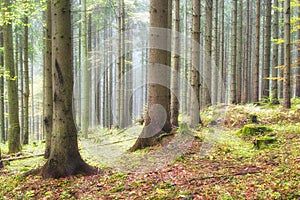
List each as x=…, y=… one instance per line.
x=176, y=68
x=12, y=89
x=297, y=94
x=239, y=61
x=274, y=96
x=287, y=56
x=2, y=111
x=233, y=94
x=256, y=58
x=64, y=159
x=158, y=111
x=48, y=103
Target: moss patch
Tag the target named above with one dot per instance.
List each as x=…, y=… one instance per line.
x=254, y=130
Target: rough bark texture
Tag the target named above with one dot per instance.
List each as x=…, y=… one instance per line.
x=158, y=106
x=64, y=159
x=298, y=61
x=274, y=95
x=287, y=56
x=233, y=86
x=256, y=58
x=239, y=61
x=175, y=72
x=12, y=89
x=267, y=59
x=221, y=96
x=48, y=103
x=214, y=83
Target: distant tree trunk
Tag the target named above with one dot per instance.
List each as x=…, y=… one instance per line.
x=26, y=78
x=176, y=68
x=158, y=112
x=287, y=56
x=48, y=103
x=221, y=97
x=256, y=61
x=64, y=159
x=2, y=111
x=214, y=83
x=239, y=52
x=12, y=89
x=85, y=75
x=195, y=65
x=245, y=75
x=208, y=46
x=233, y=87
x=267, y=63
x=185, y=59
x=297, y=94
x=274, y=95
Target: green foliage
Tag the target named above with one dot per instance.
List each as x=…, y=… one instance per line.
x=253, y=130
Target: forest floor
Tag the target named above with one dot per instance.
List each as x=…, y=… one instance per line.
x=214, y=162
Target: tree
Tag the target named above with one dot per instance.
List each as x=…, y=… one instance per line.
x=298, y=66
x=274, y=91
x=26, y=79
x=239, y=52
x=48, y=102
x=12, y=89
x=233, y=95
x=2, y=118
x=267, y=64
x=208, y=45
x=214, y=83
x=287, y=56
x=158, y=105
x=195, y=58
x=64, y=159
x=221, y=96
x=175, y=72
x=256, y=58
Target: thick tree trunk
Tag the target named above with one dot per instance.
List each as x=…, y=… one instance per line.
x=215, y=77
x=221, y=96
x=12, y=89
x=48, y=103
x=176, y=71
x=239, y=61
x=64, y=159
x=158, y=112
x=287, y=56
x=256, y=58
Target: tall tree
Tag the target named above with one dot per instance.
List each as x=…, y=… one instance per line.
x=175, y=72
x=158, y=109
x=215, y=46
x=2, y=111
x=298, y=61
x=221, y=96
x=239, y=60
x=208, y=46
x=85, y=73
x=267, y=50
x=12, y=89
x=48, y=102
x=287, y=55
x=233, y=87
x=256, y=58
x=64, y=159
x=274, y=90
x=195, y=58
x=26, y=79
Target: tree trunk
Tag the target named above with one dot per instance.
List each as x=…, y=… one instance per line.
x=297, y=94
x=256, y=61
x=274, y=96
x=85, y=74
x=2, y=111
x=64, y=159
x=221, y=97
x=267, y=64
x=48, y=103
x=176, y=71
x=239, y=52
x=233, y=87
x=12, y=89
x=287, y=56
x=158, y=112
x=214, y=83
x=208, y=44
